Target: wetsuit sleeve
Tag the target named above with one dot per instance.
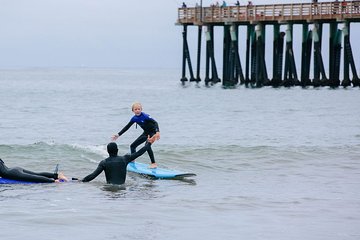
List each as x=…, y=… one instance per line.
x=155, y=124
x=94, y=174
x=125, y=128
x=137, y=154
x=151, y=125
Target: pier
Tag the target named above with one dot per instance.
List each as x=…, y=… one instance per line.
x=253, y=20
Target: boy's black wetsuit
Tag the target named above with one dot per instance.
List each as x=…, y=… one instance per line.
x=115, y=166
x=21, y=174
x=150, y=127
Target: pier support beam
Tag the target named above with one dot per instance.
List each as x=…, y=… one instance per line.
x=253, y=46
x=349, y=59
x=232, y=69
x=239, y=69
x=186, y=58
x=318, y=61
x=249, y=49
x=210, y=58
x=261, y=75
x=346, y=61
x=230, y=56
x=278, y=48
x=306, y=56
x=235, y=68
x=332, y=51
x=278, y=54
x=334, y=81
x=198, y=79
x=290, y=76
x=226, y=53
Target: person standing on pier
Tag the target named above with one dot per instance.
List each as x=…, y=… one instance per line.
x=336, y=7
x=249, y=8
x=344, y=6
x=315, y=5
x=356, y=6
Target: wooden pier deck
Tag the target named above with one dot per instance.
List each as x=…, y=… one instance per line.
x=293, y=12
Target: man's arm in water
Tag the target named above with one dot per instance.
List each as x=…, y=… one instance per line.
x=94, y=174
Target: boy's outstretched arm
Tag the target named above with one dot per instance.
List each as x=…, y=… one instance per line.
x=116, y=136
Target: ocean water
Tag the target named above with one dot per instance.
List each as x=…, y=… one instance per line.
x=272, y=164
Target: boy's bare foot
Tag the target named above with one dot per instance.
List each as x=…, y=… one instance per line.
x=153, y=165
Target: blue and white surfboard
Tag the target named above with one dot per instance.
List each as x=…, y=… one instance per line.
x=162, y=173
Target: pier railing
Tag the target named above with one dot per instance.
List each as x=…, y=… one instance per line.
x=338, y=11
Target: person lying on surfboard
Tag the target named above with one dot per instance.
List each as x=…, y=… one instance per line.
x=148, y=124
x=115, y=166
x=21, y=174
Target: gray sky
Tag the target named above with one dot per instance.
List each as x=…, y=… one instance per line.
x=104, y=33
x=93, y=33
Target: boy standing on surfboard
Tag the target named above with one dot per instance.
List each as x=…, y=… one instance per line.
x=148, y=124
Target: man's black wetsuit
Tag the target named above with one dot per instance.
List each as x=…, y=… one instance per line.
x=21, y=174
x=115, y=166
x=150, y=127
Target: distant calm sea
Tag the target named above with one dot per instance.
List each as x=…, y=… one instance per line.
x=271, y=164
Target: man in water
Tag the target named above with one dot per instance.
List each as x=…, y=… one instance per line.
x=21, y=174
x=115, y=166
